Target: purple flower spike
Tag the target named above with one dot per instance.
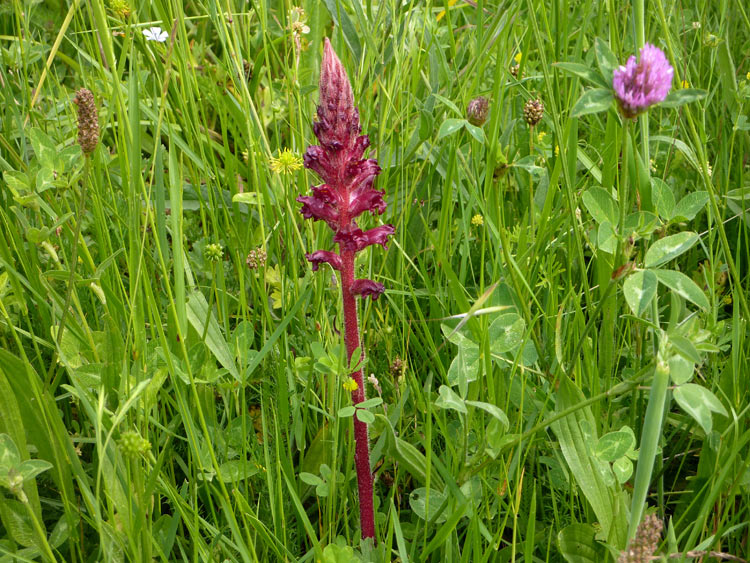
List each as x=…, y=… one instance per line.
x=346, y=193
x=639, y=85
x=367, y=288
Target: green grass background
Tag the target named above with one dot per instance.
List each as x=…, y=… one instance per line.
x=234, y=375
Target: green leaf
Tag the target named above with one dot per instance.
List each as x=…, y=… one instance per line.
x=9, y=455
x=448, y=399
x=669, y=248
x=614, y=445
x=493, y=410
x=310, y=479
x=363, y=415
x=506, y=334
x=680, y=369
x=584, y=72
x=608, y=501
x=236, y=470
x=677, y=98
x=663, y=198
x=593, y=101
x=370, y=403
x=450, y=126
x=346, y=412
x=465, y=365
x=689, y=206
x=623, y=469
x=683, y=286
x=198, y=315
x=601, y=205
x=33, y=467
x=427, y=507
x=639, y=289
x=606, y=60
x=250, y=198
x=606, y=238
x=476, y=132
x=578, y=544
x=685, y=348
x=699, y=403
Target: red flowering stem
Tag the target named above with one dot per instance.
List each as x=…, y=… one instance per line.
x=361, y=438
x=346, y=192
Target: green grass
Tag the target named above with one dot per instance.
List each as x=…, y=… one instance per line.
x=188, y=409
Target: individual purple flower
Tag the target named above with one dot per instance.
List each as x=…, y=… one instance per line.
x=367, y=288
x=641, y=84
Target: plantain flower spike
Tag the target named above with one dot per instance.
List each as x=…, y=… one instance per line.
x=88, y=121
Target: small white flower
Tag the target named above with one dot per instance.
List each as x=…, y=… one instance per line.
x=155, y=34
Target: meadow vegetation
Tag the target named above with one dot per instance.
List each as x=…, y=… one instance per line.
x=557, y=368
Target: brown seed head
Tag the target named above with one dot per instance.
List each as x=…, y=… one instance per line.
x=533, y=110
x=88, y=121
x=645, y=542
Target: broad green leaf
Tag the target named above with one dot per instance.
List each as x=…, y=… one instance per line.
x=17, y=522
x=44, y=148
x=199, y=315
x=578, y=544
x=450, y=126
x=465, y=365
x=606, y=238
x=236, y=470
x=699, y=403
x=663, y=198
x=9, y=455
x=614, y=445
x=684, y=347
x=680, y=369
x=623, y=469
x=584, y=72
x=669, y=248
x=601, y=205
x=593, y=101
x=476, y=132
x=683, y=286
x=642, y=223
x=33, y=467
x=346, y=412
x=677, y=98
x=689, y=206
x=370, y=403
x=448, y=399
x=606, y=60
x=639, y=289
x=363, y=415
x=496, y=412
x=608, y=503
x=506, y=333
x=427, y=508
x=250, y=198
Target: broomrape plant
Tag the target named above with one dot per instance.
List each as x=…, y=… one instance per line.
x=345, y=194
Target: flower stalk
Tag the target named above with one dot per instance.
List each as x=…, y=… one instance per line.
x=346, y=193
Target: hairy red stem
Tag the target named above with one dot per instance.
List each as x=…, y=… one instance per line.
x=361, y=437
